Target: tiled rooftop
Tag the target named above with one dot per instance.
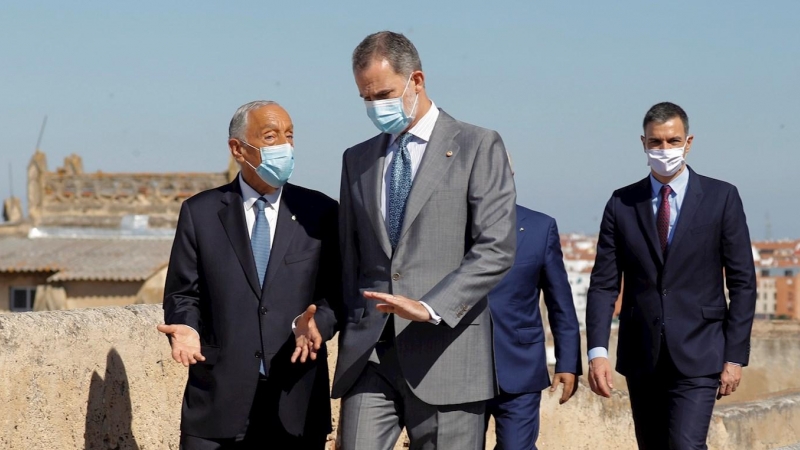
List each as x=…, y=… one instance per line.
x=85, y=259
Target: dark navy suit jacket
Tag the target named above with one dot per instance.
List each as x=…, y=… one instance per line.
x=519, y=343
x=680, y=293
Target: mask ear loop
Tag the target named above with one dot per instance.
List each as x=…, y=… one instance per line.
x=416, y=98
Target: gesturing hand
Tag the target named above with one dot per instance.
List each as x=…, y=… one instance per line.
x=600, y=377
x=401, y=306
x=185, y=343
x=569, y=380
x=729, y=379
x=306, y=336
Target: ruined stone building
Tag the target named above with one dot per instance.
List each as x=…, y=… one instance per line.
x=92, y=239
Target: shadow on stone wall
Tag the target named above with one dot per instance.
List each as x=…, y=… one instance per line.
x=108, y=412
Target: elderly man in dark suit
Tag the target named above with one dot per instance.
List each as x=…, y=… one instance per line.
x=249, y=258
x=678, y=238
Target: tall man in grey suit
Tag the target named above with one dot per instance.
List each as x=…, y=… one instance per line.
x=427, y=230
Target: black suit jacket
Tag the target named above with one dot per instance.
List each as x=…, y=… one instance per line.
x=682, y=293
x=212, y=286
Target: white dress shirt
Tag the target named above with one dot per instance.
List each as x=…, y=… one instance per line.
x=249, y=197
x=420, y=135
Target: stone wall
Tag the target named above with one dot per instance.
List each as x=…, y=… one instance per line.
x=104, y=379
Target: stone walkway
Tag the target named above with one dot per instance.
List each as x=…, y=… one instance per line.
x=791, y=447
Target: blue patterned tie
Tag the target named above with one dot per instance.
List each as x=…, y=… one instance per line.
x=259, y=241
x=399, y=189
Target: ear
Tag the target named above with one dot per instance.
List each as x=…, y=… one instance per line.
x=689, y=140
x=236, y=150
x=419, y=81
x=643, y=144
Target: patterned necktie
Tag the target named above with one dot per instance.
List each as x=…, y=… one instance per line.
x=259, y=241
x=399, y=189
x=662, y=220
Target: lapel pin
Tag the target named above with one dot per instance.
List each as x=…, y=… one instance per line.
x=294, y=217
x=449, y=153
x=522, y=229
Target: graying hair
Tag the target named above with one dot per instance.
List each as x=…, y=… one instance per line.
x=239, y=120
x=394, y=47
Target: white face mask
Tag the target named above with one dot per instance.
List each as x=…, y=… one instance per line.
x=666, y=162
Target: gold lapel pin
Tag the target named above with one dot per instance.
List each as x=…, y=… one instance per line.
x=294, y=217
x=449, y=153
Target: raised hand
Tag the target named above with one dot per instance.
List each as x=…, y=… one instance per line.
x=401, y=306
x=185, y=343
x=307, y=338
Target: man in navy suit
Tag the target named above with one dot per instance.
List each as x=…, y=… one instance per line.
x=519, y=344
x=678, y=238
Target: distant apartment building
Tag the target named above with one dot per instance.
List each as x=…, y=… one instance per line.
x=778, y=272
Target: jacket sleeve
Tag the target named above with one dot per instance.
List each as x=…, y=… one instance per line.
x=560, y=307
x=740, y=277
x=353, y=303
x=181, y=292
x=604, y=285
x=492, y=207
x=328, y=291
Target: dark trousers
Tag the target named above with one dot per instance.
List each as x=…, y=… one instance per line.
x=516, y=420
x=264, y=429
x=671, y=411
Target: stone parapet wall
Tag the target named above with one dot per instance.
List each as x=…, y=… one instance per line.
x=104, y=379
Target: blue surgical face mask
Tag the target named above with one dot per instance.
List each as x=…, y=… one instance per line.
x=389, y=115
x=277, y=164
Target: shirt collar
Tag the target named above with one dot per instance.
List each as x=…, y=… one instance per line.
x=678, y=185
x=250, y=195
x=424, y=127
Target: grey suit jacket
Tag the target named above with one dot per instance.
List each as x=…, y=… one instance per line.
x=456, y=244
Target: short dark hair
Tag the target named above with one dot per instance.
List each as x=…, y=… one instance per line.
x=665, y=111
x=396, y=48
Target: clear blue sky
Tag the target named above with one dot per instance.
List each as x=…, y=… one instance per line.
x=151, y=86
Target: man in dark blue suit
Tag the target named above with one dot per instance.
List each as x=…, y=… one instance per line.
x=678, y=238
x=519, y=343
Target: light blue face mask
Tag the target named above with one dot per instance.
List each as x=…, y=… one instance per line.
x=389, y=115
x=277, y=164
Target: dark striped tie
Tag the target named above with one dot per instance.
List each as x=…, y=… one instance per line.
x=662, y=219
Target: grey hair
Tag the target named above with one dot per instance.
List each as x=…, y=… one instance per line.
x=394, y=47
x=665, y=111
x=239, y=120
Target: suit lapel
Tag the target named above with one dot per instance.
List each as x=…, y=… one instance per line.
x=522, y=232
x=371, y=183
x=690, y=205
x=284, y=231
x=647, y=220
x=439, y=154
x=232, y=218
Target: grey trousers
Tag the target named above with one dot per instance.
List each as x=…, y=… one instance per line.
x=380, y=404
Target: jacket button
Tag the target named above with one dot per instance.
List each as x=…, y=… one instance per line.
x=259, y=355
x=395, y=277
x=263, y=310
x=664, y=292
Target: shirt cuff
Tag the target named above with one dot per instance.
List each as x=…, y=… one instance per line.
x=294, y=322
x=598, y=352
x=735, y=364
x=435, y=318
